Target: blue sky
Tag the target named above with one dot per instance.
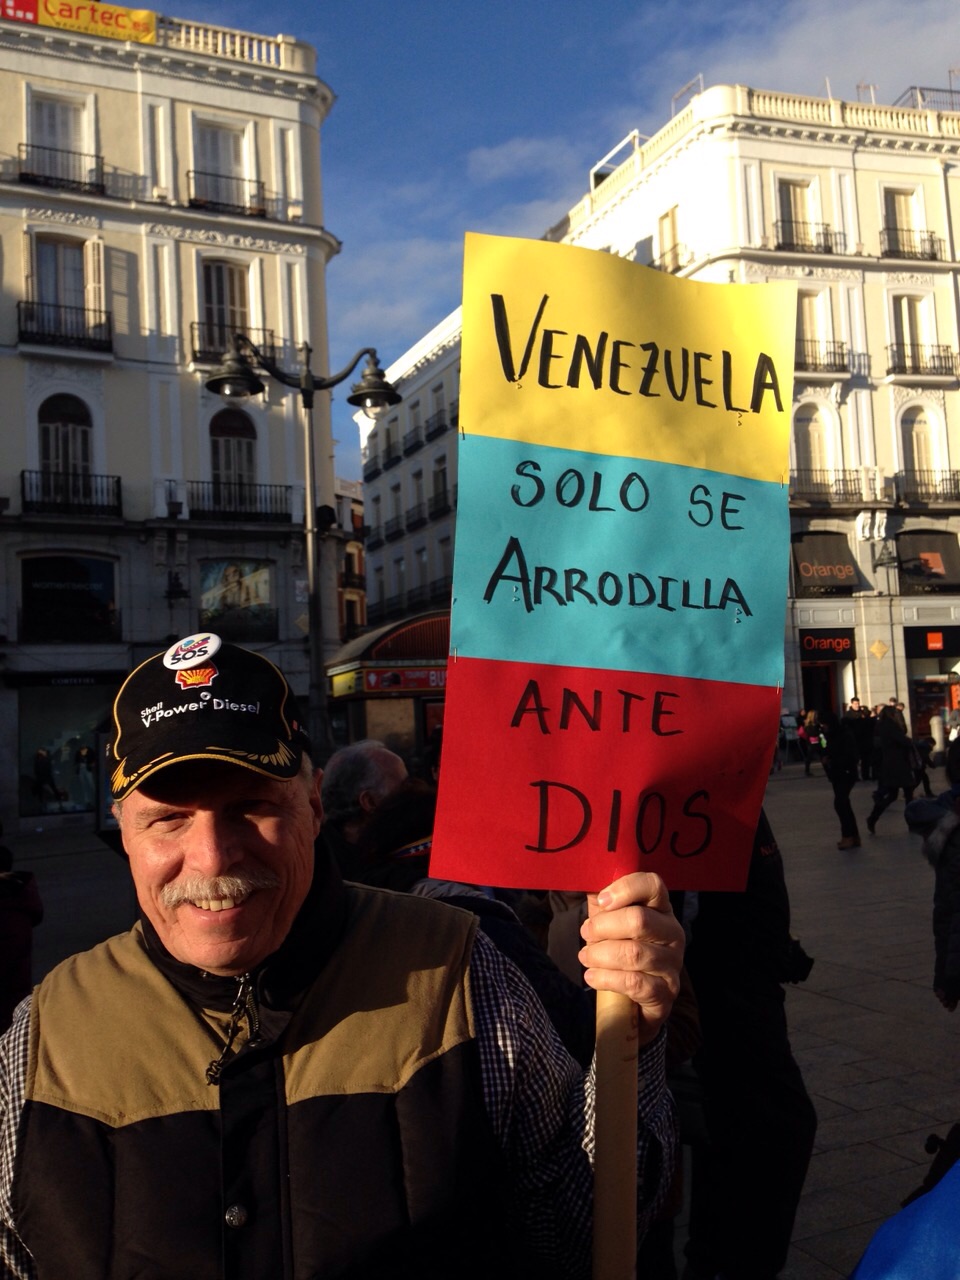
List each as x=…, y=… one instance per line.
x=487, y=116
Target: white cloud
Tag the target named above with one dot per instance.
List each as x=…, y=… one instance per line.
x=519, y=158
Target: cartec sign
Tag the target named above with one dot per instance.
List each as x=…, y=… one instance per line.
x=826, y=645
x=109, y=21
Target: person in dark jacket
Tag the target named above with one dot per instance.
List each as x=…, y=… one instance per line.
x=748, y=1176
x=839, y=761
x=20, y=911
x=938, y=821
x=896, y=766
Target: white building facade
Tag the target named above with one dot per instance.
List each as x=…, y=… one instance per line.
x=157, y=195
x=859, y=204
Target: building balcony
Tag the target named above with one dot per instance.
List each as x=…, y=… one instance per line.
x=68, y=170
x=436, y=424
x=673, y=259
x=439, y=505
x=441, y=589
x=374, y=537
x=851, y=486
x=815, y=355
x=70, y=493
x=48, y=324
x=905, y=242
x=371, y=466
x=454, y=414
x=393, y=528
x=416, y=516
x=924, y=359
x=412, y=441
x=417, y=597
x=219, y=193
x=351, y=581
x=394, y=606
x=236, y=500
x=808, y=237
x=209, y=342
x=391, y=455
x=924, y=488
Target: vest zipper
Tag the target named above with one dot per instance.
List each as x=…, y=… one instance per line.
x=244, y=1003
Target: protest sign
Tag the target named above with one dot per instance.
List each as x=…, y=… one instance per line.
x=620, y=577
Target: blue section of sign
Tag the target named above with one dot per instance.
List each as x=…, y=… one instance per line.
x=587, y=560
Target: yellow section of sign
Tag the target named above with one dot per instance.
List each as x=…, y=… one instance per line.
x=579, y=349
x=109, y=21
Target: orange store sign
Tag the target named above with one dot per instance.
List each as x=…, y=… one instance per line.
x=109, y=21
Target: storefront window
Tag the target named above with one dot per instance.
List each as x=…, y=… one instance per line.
x=929, y=562
x=68, y=600
x=58, y=766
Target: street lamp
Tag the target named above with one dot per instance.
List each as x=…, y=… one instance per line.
x=236, y=379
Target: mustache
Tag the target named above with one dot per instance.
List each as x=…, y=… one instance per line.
x=203, y=888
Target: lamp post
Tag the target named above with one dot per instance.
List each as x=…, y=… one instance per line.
x=237, y=379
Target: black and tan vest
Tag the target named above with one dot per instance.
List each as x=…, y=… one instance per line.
x=355, y=1144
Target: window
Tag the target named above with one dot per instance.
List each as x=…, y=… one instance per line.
x=918, y=443
x=400, y=576
x=219, y=177
x=899, y=223
x=793, y=200
x=420, y=556
x=233, y=467
x=439, y=402
x=440, y=476
x=812, y=437
x=66, y=434
x=68, y=599
x=57, y=154
x=64, y=288
x=225, y=305
x=417, y=482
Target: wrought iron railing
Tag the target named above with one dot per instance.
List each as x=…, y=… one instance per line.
x=412, y=441
x=371, y=466
x=221, y=193
x=436, y=424
x=69, y=170
x=393, y=528
x=906, y=242
x=416, y=515
x=237, y=500
x=817, y=485
x=816, y=355
x=70, y=493
x=809, y=237
x=439, y=504
x=928, y=486
x=915, y=357
x=49, y=324
x=209, y=342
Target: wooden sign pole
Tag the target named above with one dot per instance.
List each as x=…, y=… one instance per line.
x=615, y=1158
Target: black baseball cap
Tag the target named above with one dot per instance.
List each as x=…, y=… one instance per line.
x=205, y=699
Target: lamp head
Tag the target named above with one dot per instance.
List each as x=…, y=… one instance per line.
x=373, y=393
x=235, y=379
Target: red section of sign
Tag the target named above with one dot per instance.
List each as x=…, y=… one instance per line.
x=934, y=640
x=597, y=773
x=18, y=10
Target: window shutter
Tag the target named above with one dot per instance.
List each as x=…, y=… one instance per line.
x=93, y=278
x=29, y=266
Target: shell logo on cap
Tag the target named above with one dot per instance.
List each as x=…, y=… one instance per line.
x=191, y=651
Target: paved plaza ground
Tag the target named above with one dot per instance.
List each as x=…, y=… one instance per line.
x=879, y=1054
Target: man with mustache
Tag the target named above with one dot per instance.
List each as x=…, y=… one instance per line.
x=275, y=1074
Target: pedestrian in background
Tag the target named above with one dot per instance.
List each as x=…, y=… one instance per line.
x=840, y=758
x=896, y=770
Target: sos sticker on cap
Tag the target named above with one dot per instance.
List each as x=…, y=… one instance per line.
x=194, y=649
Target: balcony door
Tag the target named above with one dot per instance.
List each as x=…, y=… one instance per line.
x=225, y=304
x=812, y=440
x=233, y=463
x=56, y=140
x=60, y=289
x=220, y=166
x=66, y=447
x=794, y=202
x=898, y=219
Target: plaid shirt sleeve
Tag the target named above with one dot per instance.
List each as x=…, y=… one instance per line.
x=541, y=1107
x=15, y=1262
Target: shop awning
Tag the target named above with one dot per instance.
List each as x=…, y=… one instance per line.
x=823, y=564
x=928, y=562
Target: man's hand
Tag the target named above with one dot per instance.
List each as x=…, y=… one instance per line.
x=634, y=945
